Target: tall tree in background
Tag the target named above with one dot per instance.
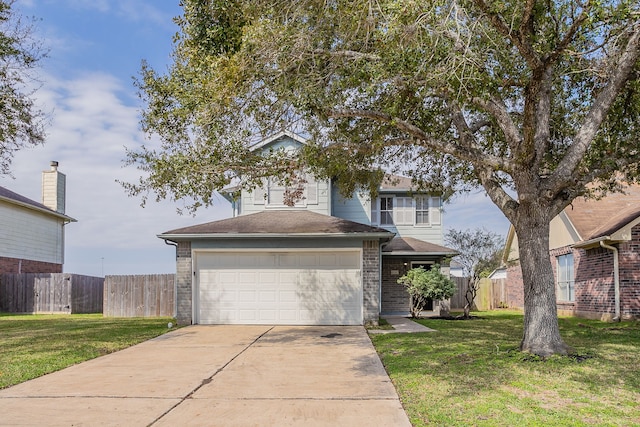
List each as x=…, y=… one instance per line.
x=21, y=122
x=479, y=253
x=537, y=101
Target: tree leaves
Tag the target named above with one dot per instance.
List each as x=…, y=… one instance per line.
x=21, y=122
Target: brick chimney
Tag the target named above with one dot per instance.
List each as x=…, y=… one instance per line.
x=54, y=188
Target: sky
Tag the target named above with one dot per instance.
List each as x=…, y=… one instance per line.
x=95, y=50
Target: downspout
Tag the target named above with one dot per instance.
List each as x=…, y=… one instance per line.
x=175, y=283
x=616, y=279
x=172, y=243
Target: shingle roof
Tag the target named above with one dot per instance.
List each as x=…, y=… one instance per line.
x=15, y=197
x=413, y=245
x=282, y=222
x=396, y=182
x=596, y=218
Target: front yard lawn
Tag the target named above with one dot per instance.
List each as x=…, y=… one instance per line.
x=470, y=373
x=34, y=345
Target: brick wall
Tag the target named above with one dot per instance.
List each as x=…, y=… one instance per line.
x=630, y=276
x=515, y=289
x=594, y=281
x=184, y=284
x=371, y=280
x=16, y=266
x=395, y=298
x=594, y=287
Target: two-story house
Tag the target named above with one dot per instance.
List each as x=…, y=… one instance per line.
x=327, y=260
x=32, y=233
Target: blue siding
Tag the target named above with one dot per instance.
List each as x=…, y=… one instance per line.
x=356, y=209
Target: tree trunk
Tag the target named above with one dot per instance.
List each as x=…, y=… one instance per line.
x=470, y=296
x=541, y=331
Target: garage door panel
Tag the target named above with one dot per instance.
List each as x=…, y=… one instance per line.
x=248, y=315
x=268, y=296
x=280, y=288
x=247, y=296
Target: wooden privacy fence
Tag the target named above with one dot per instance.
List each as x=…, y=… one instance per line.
x=50, y=293
x=151, y=295
x=492, y=294
x=457, y=300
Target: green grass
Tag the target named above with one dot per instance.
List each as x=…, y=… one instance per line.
x=470, y=373
x=34, y=345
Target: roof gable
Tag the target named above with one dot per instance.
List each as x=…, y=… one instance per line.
x=19, y=200
x=286, y=140
x=595, y=218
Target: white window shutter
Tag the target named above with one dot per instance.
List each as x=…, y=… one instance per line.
x=258, y=196
x=374, y=212
x=434, y=211
x=312, y=191
x=403, y=211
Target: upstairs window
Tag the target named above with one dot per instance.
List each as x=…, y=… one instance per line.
x=273, y=193
x=386, y=210
x=422, y=210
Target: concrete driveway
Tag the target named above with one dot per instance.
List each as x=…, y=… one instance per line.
x=218, y=376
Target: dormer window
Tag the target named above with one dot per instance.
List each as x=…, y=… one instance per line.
x=273, y=193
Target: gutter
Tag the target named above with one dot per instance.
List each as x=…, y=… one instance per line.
x=616, y=278
x=173, y=237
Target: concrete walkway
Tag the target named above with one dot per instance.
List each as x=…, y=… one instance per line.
x=218, y=376
x=401, y=325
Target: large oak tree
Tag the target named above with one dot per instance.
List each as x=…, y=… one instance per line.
x=537, y=101
x=21, y=122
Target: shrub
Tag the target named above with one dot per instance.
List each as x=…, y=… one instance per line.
x=424, y=285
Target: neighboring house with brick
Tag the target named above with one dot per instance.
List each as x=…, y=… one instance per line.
x=328, y=260
x=32, y=233
x=594, y=247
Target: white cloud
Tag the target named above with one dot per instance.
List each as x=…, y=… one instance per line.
x=141, y=11
x=99, y=5
x=90, y=127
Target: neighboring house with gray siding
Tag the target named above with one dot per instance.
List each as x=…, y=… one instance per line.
x=32, y=233
x=326, y=260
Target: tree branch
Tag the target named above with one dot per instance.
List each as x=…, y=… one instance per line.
x=497, y=108
x=466, y=153
x=497, y=194
x=567, y=169
x=527, y=14
x=568, y=37
x=542, y=118
x=518, y=39
x=348, y=54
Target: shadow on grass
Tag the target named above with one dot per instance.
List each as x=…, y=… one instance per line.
x=483, y=353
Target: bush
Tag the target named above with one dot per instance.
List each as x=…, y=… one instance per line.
x=424, y=285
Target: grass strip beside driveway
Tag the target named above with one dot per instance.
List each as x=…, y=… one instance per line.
x=470, y=372
x=34, y=345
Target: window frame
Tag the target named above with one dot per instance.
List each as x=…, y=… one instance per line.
x=387, y=211
x=565, y=277
x=424, y=202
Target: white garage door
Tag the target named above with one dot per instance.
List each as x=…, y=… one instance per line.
x=286, y=288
